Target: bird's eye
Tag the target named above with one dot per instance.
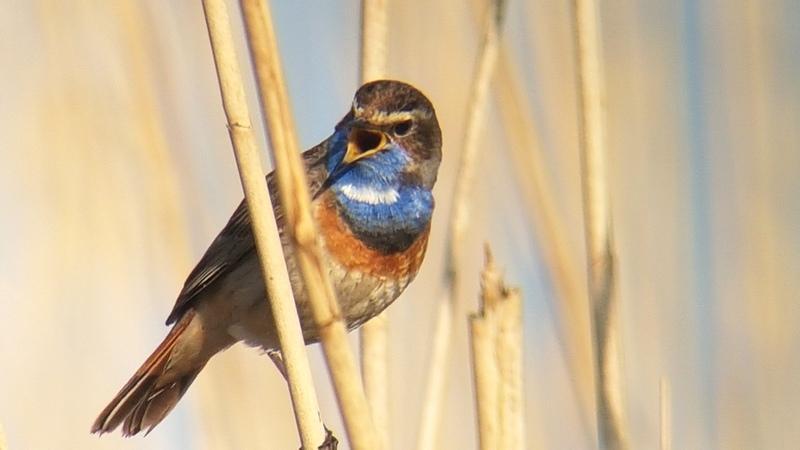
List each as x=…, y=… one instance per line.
x=402, y=128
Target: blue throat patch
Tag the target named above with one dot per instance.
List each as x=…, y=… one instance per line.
x=390, y=213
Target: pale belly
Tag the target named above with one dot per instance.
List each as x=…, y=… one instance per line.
x=361, y=296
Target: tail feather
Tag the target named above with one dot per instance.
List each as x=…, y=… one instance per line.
x=152, y=410
x=152, y=392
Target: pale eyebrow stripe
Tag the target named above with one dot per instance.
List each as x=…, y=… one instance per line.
x=399, y=116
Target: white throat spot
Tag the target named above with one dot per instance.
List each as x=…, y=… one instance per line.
x=370, y=195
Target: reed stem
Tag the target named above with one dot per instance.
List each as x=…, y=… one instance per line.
x=496, y=333
x=665, y=414
x=374, y=334
x=265, y=229
x=448, y=305
x=301, y=227
x=3, y=443
x=597, y=226
x=540, y=200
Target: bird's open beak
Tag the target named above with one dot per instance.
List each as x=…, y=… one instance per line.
x=363, y=142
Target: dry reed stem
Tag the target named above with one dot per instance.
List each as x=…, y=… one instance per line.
x=301, y=227
x=373, y=39
x=135, y=26
x=265, y=229
x=434, y=393
x=571, y=301
x=665, y=414
x=155, y=149
x=375, y=370
x=597, y=225
x=374, y=334
x=484, y=369
x=496, y=333
x=767, y=279
x=3, y=443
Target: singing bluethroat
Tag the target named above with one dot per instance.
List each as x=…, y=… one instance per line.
x=371, y=182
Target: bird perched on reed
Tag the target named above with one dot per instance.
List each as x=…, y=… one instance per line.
x=371, y=183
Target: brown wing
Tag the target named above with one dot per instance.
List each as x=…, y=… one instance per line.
x=235, y=241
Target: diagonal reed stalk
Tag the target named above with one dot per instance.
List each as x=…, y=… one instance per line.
x=374, y=334
x=597, y=226
x=301, y=226
x=540, y=200
x=448, y=305
x=265, y=229
x=496, y=336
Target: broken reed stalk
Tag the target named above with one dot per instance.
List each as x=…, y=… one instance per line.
x=265, y=229
x=597, y=226
x=496, y=333
x=434, y=393
x=665, y=414
x=374, y=334
x=301, y=228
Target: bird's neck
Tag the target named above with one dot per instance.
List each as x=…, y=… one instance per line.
x=381, y=207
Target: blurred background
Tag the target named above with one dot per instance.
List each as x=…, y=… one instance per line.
x=116, y=172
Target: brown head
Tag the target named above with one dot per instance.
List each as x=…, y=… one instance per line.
x=388, y=112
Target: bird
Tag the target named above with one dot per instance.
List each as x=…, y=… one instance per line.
x=371, y=182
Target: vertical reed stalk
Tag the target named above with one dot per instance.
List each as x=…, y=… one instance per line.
x=448, y=306
x=3, y=443
x=265, y=229
x=373, y=39
x=496, y=333
x=665, y=414
x=300, y=225
x=374, y=334
x=597, y=225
